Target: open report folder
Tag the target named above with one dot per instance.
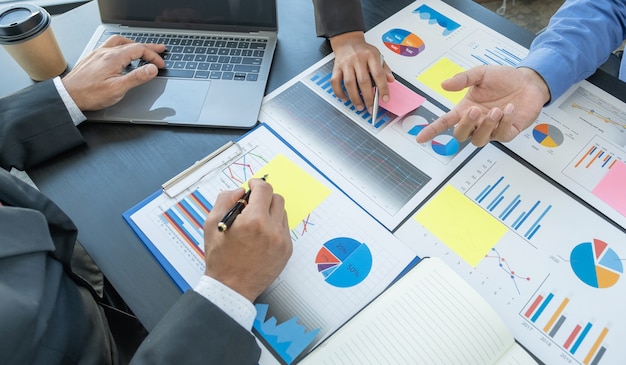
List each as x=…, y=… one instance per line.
x=342, y=257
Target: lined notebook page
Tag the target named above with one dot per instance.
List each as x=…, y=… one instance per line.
x=430, y=316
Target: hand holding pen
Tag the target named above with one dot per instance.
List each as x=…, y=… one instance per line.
x=357, y=68
x=250, y=255
x=229, y=218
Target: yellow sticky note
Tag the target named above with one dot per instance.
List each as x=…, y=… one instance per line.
x=461, y=224
x=437, y=73
x=302, y=192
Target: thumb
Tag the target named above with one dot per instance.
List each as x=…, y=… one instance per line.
x=139, y=76
x=464, y=79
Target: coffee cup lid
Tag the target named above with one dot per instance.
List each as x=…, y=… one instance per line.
x=20, y=22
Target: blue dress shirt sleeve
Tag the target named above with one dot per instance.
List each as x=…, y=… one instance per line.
x=579, y=39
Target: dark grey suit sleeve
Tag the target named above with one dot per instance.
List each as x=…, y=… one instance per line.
x=333, y=17
x=35, y=126
x=195, y=331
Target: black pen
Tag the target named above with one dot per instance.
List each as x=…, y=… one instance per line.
x=229, y=218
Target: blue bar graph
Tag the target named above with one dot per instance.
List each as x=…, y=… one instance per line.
x=498, y=199
x=542, y=307
x=186, y=219
x=497, y=56
x=321, y=78
x=581, y=338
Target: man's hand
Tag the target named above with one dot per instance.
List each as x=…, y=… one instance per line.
x=356, y=63
x=97, y=82
x=501, y=102
x=248, y=256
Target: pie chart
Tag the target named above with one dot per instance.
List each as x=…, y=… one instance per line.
x=548, y=135
x=403, y=42
x=445, y=145
x=413, y=124
x=596, y=264
x=344, y=262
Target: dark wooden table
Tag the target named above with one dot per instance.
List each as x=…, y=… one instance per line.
x=122, y=164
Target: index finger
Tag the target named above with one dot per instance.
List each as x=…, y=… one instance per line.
x=443, y=123
x=379, y=74
x=260, y=195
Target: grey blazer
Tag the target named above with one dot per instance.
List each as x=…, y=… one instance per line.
x=46, y=315
x=333, y=17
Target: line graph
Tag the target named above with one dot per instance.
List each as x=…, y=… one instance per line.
x=608, y=119
x=504, y=266
x=594, y=113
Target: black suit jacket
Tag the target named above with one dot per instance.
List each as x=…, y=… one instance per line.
x=46, y=317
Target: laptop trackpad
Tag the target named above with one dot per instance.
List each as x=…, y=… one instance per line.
x=162, y=100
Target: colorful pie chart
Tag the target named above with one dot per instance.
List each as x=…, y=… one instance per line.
x=344, y=262
x=445, y=145
x=548, y=135
x=596, y=264
x=403, y=42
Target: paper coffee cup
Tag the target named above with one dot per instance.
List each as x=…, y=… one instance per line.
x=26, y=35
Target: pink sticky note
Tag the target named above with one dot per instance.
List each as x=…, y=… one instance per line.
x=402, y=99
x=611, y=188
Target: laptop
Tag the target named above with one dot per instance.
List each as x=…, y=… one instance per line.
x=218, y=59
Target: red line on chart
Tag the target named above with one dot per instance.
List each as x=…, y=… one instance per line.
x=504, y=265
x=306, y=223
x=244, y=166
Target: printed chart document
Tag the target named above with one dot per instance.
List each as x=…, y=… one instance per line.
x=551, y=267
x=429, y=316
x=342, y=258
x=429, y=41
x=377, y=161
x=579, y=140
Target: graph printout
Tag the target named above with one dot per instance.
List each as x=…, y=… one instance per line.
x=378, y=163
x=429, y=41
x=342, y=258
x=580, y=141
x=555, y=275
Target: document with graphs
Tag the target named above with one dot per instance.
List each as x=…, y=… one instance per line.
x=342, y=258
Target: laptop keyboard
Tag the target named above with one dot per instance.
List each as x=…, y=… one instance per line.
x=203, y=57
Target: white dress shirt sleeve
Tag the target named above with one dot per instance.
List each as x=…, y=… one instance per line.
x=234, y=304
x=75, y=113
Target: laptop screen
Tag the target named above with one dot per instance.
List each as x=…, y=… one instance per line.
x=222, y=15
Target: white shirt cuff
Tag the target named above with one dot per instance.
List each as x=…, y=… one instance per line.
x=75, y=113
x=234, y=304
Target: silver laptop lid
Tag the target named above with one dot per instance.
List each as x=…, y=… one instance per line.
x=216, y=15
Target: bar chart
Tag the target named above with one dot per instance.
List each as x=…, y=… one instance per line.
x=320, y=81
x=519, y=212
x=593, y=162
x=485, y=49
x=186, y=219
x=580, y=337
